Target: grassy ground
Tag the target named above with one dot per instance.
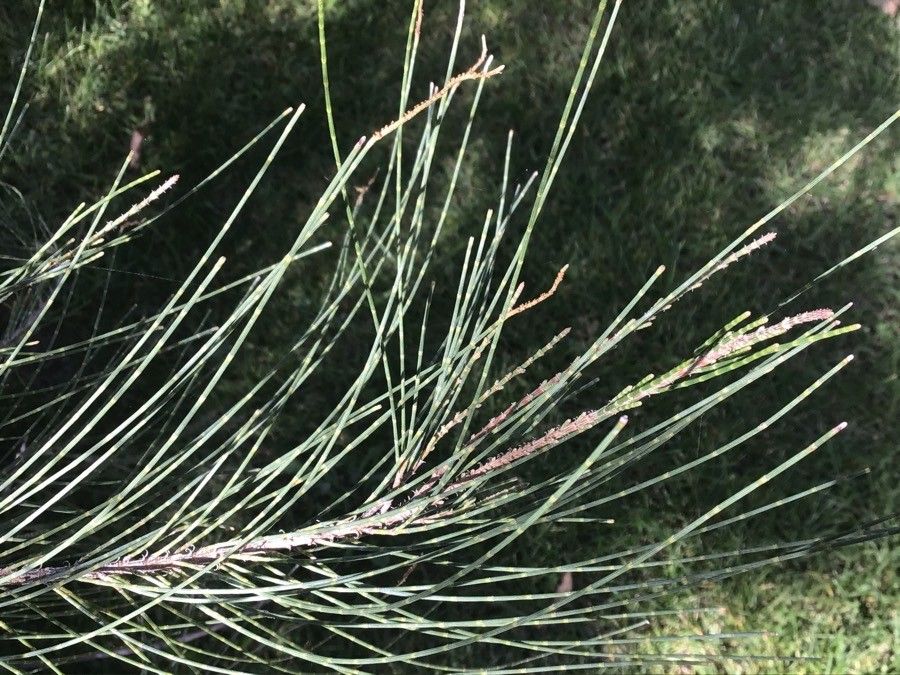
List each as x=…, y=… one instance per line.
x=706, y=114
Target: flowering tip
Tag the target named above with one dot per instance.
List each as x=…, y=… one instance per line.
x=825, y=312
x=170, y=181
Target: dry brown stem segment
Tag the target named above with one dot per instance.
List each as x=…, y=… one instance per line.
x=473, y=73
x=324, y=534
x=543, y=296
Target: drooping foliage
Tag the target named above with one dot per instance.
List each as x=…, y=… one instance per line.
x=163, y=532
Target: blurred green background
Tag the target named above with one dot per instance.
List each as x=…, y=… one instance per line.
x=705, y=114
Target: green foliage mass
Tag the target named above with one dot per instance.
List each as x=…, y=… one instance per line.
x=703, y=116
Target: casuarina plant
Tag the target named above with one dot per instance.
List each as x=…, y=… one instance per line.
x=152, y=518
